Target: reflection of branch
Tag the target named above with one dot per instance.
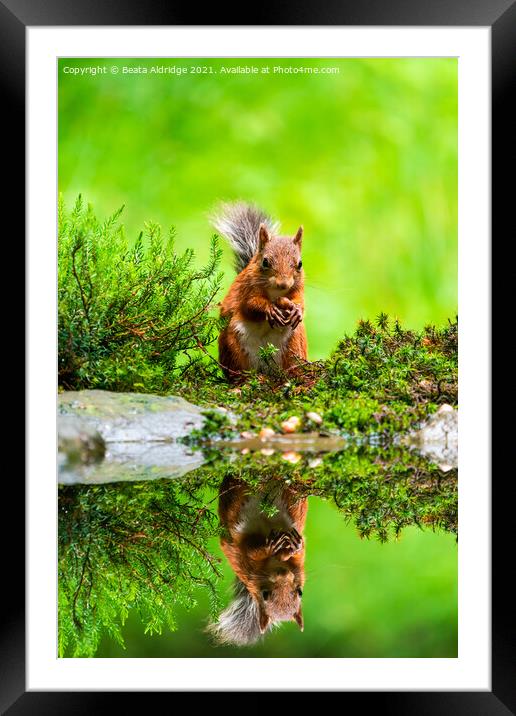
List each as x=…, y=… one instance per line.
x=203, y=582
x=152, y=568
x=207, y=556
x=76, y=595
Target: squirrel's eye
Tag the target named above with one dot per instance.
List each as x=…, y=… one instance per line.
x=300, y=266
x=265, y=596
x=299, y=591
x=265, y=263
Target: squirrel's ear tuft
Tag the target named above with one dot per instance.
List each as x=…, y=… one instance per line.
x=264, y=620
x=263, y=236
x=298, y=236
x=298, y=618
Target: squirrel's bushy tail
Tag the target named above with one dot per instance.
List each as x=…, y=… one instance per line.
x=239, y=623
x=239, y=223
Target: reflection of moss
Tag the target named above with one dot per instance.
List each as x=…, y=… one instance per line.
x=123, y=546
x=144, y=545
x=380, y=490
x=382, y=493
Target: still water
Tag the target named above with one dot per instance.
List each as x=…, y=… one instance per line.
x=308, y=546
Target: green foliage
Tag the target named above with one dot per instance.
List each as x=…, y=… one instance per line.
x=384, y=491
x=266, y=355
x=130, y=546
x=143, y=546
x=130, y=317
x=139, y=319
x=369, y=166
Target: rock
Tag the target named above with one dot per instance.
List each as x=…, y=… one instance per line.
x=444, y=409
x=316, y=462
x=131, y=417
x=134, y=462
x=292, y=457
x=291, y=424
x=109, y=437
x=267, y=451
x=438, y=438
x=266, y=433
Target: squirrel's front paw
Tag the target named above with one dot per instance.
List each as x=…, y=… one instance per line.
x=276, y=317
x=292, y=311
x=296, y=316
x=285, y=544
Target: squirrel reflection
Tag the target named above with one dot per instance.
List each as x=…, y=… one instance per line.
x=267, y=554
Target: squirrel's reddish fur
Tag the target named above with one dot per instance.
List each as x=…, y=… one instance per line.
x=265, y=303
x=266, y=554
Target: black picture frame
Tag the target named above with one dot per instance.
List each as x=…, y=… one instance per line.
x=500, y=16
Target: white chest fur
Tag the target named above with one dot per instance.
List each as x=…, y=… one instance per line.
x=259, y=334
x=253, y=521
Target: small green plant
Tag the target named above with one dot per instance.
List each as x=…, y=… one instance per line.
x=397, y=364
x=216, y=425
x=267, y=355
x=131, y=317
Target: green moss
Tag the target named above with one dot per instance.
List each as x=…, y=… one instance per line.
x=216, y=424
x=381, y=380
x=380, y=489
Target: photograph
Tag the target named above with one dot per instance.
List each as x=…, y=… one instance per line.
x=257, y=408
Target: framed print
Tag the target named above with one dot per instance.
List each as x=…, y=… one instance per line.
x=258, y=300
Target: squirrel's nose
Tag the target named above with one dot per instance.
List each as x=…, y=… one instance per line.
x=283, y=285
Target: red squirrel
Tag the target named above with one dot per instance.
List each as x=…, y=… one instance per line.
x=267, y=555
x=265, y=303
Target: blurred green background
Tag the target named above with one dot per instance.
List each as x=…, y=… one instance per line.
x=366, y=160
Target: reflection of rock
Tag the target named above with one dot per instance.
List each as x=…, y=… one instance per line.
x=79, y=442
x=139, y=432
x=131, y=462
x=299, y=442
x=437, y=439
